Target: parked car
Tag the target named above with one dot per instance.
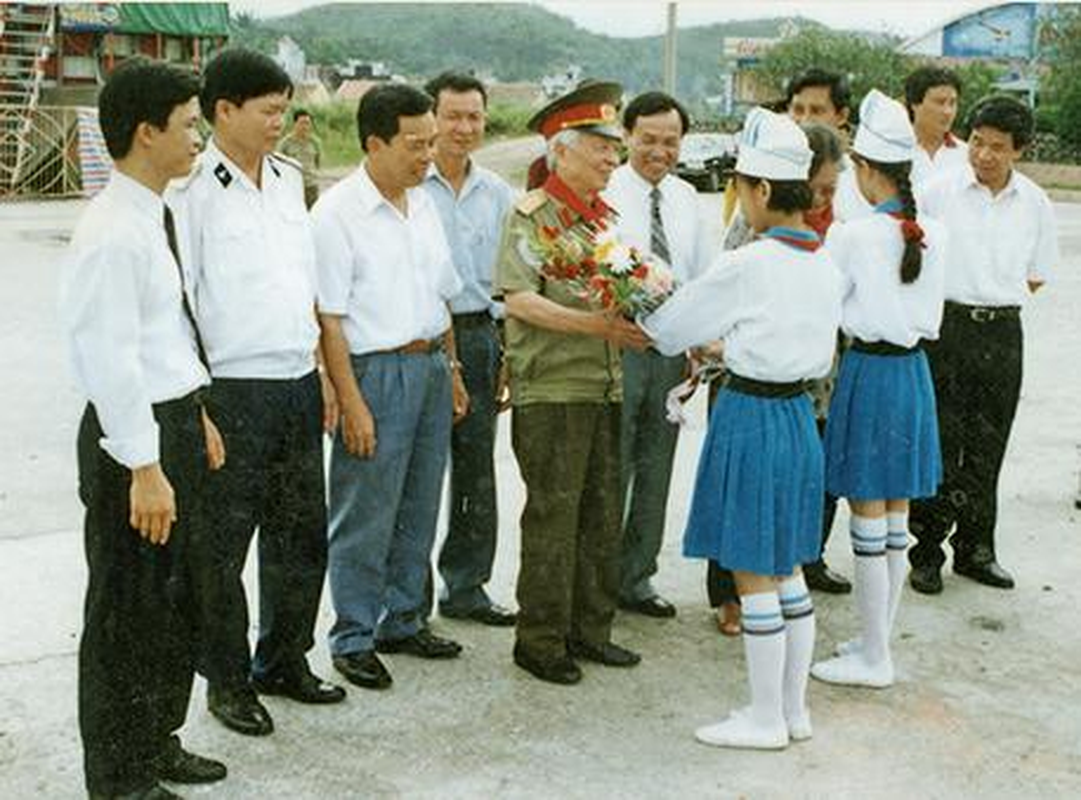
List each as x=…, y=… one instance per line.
x=706, y=160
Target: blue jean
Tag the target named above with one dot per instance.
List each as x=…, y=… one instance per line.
x=383, y=509
x=465, y=560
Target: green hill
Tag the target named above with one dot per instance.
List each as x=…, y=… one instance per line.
x=509, y=42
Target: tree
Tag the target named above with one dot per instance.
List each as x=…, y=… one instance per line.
x=1061, y=90
x=867, y=63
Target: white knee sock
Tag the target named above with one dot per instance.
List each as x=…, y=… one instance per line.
x=896, y=562
x=872, y=586
x=761, y=725
x=764, y=645
x=799, y=628
x=869, y=664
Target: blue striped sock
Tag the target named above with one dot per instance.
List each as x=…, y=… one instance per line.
x=868, y=535
x=897, y=525
x=761, y=614
x=795, y=599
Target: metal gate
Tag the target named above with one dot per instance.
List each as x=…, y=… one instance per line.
x=39, y=152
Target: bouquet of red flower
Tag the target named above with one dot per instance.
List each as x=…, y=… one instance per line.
x=604, y=272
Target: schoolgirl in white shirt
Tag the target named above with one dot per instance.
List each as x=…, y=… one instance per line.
x=757, y=505
x=882, y=444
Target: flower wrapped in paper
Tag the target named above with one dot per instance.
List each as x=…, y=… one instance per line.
x=604, y=272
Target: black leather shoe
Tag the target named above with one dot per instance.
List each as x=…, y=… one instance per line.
x=363, y=669
x=180, y=766
x=422, y=644
x=821, y=578
x=155, y=792
x=493, y=615
x=655, y=606
x=239, y=710
x=989, y=573
x=609, y=654
x=926, y=580
x=302, y=687
x=555, y=670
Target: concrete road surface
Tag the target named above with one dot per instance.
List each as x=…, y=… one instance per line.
x=988, y=704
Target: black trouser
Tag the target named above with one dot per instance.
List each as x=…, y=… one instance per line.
x=136, y=651
x=976, y=366
x=272, y=479
x=720, y=583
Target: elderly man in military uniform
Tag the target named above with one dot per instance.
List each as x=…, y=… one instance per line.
x=565, y=379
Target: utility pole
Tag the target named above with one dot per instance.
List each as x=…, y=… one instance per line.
x=670, y=51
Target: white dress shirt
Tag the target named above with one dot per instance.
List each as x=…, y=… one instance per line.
x=952, y=155
x=473, y=221
x=997, y=242
x=389, y=275
x=689, y=248
x=776, y=307
x=120, y=303
x=250, y=258
x=877, y=307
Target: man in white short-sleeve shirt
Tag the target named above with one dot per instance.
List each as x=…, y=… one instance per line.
x=1003, y=246
x=385, y=279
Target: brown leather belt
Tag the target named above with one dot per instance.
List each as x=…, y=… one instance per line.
x=418, y=347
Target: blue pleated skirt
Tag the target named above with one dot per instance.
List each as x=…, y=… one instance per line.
x=882, y=430
x=757, y=504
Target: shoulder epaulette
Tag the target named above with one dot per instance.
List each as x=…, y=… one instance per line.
x=531, y=201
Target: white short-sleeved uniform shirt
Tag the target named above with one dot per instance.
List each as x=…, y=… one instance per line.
x=877, y=306
x=776, y=307
x=249, y=256
x=389, y=275
x=685, y=231
x=997, y=242
x=131, y=344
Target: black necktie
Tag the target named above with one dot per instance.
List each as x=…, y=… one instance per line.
x=658, y=241
x=170, y=235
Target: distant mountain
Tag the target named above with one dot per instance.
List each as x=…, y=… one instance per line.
x=507, y=41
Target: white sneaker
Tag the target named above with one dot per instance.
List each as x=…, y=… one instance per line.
x=799, y=727
x=740, y=731
x=852, y=670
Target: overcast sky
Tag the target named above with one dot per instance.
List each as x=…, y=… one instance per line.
x=646, y=17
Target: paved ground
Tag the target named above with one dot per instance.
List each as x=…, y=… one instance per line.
x=988, y=705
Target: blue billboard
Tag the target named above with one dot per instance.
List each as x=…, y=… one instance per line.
x=1009, y=31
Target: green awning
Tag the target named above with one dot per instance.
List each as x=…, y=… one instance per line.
x=171, y=19
x=175, y=19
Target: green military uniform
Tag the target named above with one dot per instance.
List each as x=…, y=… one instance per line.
x=309, y=153
x=565, y=390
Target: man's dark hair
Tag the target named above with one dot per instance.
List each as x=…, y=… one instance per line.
x=454, y=82
x=1004, y=113
x=140, y=90
x=826, y=146
x=840, y=93
x=239, y=75
x=299, y=112
x=381, y=106
x=923, y=79
x=650, y=103
x=785, y=196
